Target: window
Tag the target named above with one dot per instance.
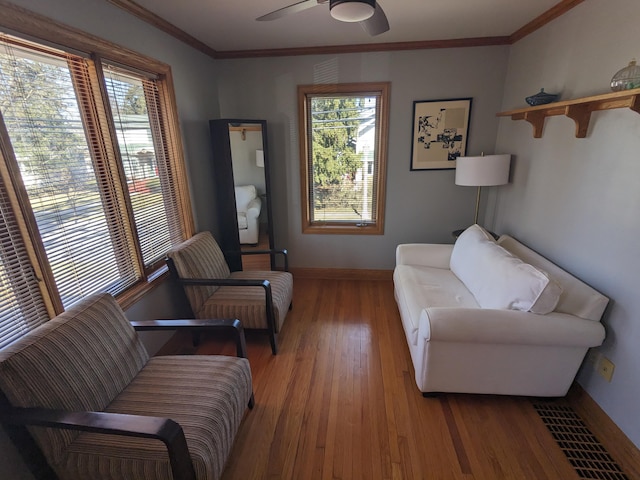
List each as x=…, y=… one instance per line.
x=343, y=157
x=136, y=110
x=92, y=183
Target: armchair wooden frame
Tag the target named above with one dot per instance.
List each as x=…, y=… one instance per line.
x=164, y=429
x=222, y=282
x=272, y=254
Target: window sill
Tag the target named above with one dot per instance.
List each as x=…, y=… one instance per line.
x=130, y=296
x=334, y=229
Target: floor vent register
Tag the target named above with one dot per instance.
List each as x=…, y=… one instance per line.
x=586, y=454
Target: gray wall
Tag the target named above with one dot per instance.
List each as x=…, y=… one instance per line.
x=421, y=206
x=576, y=201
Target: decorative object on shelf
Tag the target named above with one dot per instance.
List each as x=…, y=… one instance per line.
x=483, y=171
x=541, y=98
x=626, y=78
x=440, y=132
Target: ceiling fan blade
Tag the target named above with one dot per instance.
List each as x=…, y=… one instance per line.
x=376, y=23
x=295, y=8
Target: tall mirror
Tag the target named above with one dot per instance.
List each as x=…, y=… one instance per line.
x=241, y=169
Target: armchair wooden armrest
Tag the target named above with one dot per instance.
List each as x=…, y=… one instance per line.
x=230, y=325
x=163, y=429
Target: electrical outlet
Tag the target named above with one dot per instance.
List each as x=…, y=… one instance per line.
x=605, y=368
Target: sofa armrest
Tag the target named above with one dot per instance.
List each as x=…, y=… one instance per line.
x=435, y=255
x=254, y=207
x=163, y=429
x=489, y=326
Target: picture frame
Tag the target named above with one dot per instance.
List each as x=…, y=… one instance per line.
x=440, y=133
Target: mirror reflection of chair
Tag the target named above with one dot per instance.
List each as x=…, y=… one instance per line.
x=248, y=206
x=98, y=407
x=260, y=299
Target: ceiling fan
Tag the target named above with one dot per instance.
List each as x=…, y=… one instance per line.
x=368, y=13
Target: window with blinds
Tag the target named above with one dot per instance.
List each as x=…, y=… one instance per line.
x=21, y=304
x=43, y=121
x=135, y=105
x=343, y=157
x=88, y=158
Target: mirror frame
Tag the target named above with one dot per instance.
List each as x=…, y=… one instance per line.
x=224, y=181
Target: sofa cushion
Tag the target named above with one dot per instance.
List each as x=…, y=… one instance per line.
x=418, y=287
x=498, y=279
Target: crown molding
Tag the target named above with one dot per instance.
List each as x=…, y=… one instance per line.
x=554, y=12
x=161, y=24
x=366, y=47
x=142, y=13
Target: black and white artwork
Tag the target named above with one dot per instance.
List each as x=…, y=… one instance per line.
x=440, y=132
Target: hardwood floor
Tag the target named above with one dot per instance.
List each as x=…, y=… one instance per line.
x=339, y=402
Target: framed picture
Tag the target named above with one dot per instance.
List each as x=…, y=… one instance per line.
x=440, y=132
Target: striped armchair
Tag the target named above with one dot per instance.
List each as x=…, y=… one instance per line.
x=259, y=299
x=118, y=413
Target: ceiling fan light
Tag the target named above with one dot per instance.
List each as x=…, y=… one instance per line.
x=352, y=10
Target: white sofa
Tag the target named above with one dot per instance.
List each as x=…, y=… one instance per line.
x=248, y=205
x=468, y=314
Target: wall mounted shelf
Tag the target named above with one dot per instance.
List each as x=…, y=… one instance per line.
x=578, y=109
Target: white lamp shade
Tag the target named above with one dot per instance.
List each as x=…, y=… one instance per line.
x=260, y=158
x=352, y=10
x=483, y=171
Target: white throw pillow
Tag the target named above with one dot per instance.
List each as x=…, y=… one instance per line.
x=467, y=248
x=549, y=298
x=498, y=279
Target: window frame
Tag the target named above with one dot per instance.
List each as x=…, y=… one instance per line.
x=305, y=94
x=32, y=27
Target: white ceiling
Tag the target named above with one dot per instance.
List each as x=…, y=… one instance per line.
x=227, y=25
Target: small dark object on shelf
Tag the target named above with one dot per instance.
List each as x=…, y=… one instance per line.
x=541, y=98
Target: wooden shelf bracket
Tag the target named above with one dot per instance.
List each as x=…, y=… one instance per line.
x=579, y=110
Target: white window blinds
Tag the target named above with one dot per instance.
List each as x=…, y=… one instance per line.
x=136, y=111
x=21, y=304
x=68, y=184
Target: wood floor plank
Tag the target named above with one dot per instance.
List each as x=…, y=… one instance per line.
x=339, y=401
